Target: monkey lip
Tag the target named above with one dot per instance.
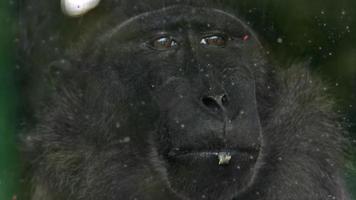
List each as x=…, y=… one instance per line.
x=223, y=155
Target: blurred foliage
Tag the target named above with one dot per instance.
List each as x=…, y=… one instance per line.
x=320, y=33
x=9, y=162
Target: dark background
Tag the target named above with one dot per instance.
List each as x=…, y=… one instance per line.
x=318, y=33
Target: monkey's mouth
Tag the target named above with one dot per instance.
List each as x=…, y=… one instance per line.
x=189, y=162
x=220, y=156
x=232, y=170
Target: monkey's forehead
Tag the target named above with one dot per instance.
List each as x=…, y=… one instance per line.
x=76, y=8
x=140, y=6
x=182, y=17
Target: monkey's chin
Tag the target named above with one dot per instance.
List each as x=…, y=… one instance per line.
x=211, y=174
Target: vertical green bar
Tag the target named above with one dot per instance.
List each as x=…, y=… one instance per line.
x=9, y=165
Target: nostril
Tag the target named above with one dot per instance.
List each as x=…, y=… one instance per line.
x=211, y=103
x=215, y=103
x=224, y=100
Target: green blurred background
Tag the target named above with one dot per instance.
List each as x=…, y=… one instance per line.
x=9, y=163
x=320, y=33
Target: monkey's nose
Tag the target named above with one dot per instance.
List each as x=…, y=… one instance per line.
x=216, y=103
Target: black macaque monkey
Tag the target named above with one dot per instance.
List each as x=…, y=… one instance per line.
x=170, y=100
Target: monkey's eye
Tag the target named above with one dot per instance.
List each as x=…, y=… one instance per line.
x=163, y=43
x=214, y=40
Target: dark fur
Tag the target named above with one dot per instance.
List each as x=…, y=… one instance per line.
x=79, y=149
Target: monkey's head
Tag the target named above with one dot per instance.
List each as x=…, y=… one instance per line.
x=167, y=101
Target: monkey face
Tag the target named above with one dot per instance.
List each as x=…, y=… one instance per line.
x=194, y=68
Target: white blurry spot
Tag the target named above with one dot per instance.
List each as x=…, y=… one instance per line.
x=125, y=140
x=348, y=29
x=322, y=12
x=29, y=138
x=74, y=8
x=117, y=125
x=280, y=40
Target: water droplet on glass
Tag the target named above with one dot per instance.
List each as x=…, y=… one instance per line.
x=125, y=140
